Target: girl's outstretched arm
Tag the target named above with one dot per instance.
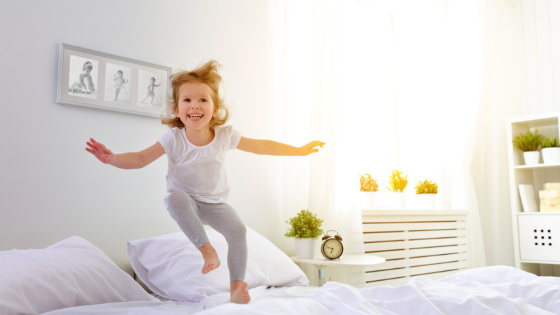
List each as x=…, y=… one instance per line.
x=269, y=147
x=131, y=160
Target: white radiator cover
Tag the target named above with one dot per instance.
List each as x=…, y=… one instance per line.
x=430, y=243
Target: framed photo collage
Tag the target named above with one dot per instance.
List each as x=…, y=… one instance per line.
x=104, y=81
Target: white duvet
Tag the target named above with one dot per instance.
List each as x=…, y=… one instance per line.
x=490, y=290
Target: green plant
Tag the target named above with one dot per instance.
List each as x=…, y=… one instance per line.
x=367, y=183
x=398, y=184
x=426, y=187
x=305, y=225
x=529, y=141
x=550, y=143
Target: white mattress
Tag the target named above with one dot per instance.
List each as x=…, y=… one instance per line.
x=490, y=290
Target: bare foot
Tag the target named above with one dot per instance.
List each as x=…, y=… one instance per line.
x=210, y=264
x=211, y=260
x=239, y=293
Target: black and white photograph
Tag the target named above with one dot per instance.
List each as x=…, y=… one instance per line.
x=124, y=85
x=83, y=77
x=117, y=83
x=149, y=91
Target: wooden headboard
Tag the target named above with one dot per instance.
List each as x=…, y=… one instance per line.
x=428, y=243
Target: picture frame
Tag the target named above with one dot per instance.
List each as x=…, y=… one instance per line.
x=104, y=81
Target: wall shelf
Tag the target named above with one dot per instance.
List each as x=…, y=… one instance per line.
x=538, y=166
x=537, y=259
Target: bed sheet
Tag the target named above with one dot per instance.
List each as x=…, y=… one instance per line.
x=482, y=291
x=490, y=290
x=264, y=300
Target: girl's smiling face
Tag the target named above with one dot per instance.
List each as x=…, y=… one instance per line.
x=196, y=107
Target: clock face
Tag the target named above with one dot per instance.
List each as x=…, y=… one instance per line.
x=332, y=248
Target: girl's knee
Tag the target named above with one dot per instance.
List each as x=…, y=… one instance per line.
x=177, y=195
x=177, y=198
x=243, y=229
x=238, y=230
x=232, y=231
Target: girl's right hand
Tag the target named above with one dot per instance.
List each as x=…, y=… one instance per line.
x=100, y=151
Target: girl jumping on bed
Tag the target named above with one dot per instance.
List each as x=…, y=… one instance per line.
x=197, y=188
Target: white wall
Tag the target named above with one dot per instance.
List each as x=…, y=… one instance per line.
x=50, y=187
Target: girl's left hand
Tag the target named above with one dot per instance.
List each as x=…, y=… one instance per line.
x=309, y=148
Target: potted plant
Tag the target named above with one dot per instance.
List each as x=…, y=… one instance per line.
x=426, y=195
x=551, y=151
x=305, y=228
x=368, y=187
x=530, y=144
x=398, y=184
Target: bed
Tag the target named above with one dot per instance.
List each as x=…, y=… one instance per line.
x=491, y=290
x=163, y=276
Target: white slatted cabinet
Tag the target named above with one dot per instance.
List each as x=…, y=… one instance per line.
x=428, y=243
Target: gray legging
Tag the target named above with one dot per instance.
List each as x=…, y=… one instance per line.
x=191, y=214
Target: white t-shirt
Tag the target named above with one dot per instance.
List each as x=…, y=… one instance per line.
x=198, y=171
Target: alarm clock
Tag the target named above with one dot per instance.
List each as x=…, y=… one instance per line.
x=332, y=246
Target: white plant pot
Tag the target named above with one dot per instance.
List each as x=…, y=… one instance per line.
x=426, y=201
x=551, y=155
x=531, y=157
x=305, y=247
x=367, y=199
x=399, y=201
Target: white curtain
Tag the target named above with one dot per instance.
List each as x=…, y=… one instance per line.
x=439, y=54
x=385, y=88
x=514, y=54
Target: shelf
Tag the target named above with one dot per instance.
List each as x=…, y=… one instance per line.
x=538, y=166
x=536, y=175
x=539, y=262
x=393, y=212
x=534, y=121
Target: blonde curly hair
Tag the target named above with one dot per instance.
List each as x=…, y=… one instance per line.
x=206, y=73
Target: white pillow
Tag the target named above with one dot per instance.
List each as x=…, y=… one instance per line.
x=72, y=272
x=170, y=266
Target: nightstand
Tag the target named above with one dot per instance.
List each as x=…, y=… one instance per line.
x=345, y=260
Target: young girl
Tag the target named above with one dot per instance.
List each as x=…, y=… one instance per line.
x=81, y=86
x=119, y=82
x=197, y=187
x=151, y=90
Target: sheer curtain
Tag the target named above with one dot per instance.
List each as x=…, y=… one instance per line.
x=384, y=88
x=439, y=88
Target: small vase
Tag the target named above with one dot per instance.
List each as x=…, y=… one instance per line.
x=426, y=201
x=531, y=157
x=367, y=200
x=305, y=247
x=399, y=201
x=551, y=155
